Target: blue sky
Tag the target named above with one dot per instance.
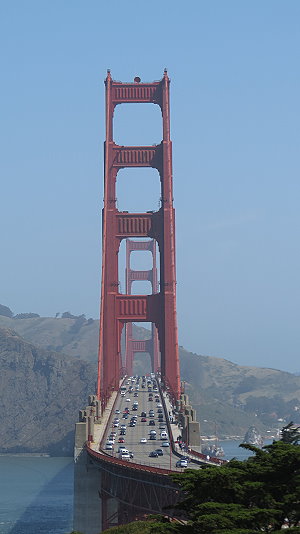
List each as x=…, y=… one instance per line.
x=234, y=68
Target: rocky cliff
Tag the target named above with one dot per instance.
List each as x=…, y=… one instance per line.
x=41, y=393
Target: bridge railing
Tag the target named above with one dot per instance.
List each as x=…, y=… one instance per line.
x=191, y=452
x=101, y=455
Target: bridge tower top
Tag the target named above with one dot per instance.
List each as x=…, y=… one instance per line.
x=118, y=309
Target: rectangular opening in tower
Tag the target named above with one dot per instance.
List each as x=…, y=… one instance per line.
x=137, y=124
x=138, y=190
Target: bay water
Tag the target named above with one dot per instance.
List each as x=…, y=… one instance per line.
x=36, y=495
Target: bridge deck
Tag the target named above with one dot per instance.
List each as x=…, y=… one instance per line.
x=132, y=438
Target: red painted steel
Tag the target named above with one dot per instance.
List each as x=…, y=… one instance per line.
x=132, y=465
x=117, y=309
x=149, y=345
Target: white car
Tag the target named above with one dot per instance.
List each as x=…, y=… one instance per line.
x=165, y=444
x=143, y=440
x=128, y=400
x=109, y=447
x=124, y=456
x=181, y=463
x=159, y=405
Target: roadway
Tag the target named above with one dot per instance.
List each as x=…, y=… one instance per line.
x=133, y=436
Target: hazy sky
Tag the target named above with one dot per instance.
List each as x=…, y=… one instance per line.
x=234, y=68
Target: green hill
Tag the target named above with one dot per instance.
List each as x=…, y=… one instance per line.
x=228, y=397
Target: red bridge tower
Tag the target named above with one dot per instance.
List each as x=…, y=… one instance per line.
x=118, y=309
x=136, y=345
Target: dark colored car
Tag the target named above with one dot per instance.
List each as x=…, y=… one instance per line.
x=151, y=422
x=160, y=452
x=143, y=414
x=153, y=454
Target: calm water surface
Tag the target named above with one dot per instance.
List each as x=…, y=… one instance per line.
x=36, y=495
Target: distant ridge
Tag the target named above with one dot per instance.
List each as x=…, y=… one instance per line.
x=39, y=356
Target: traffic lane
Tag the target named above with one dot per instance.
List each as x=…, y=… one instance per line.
x=141, y=430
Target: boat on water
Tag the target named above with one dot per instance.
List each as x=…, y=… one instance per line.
x=213, y=451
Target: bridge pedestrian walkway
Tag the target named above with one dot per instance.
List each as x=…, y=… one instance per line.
x=193, y=455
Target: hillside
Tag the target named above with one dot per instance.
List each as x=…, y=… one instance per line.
x=41, y=393
x=227, y=397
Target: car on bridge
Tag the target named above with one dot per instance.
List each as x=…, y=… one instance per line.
x=181, y=463
x=109, y=447
x=160, y=452
x=153, y=454
x=124, y=456
x=143, y=440
x=165, y=444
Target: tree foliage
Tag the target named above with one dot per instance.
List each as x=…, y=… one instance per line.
x=29, y=315
x=248, y=496
x=290, y=434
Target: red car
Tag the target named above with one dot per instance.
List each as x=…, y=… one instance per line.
x=144, y=420
x=121, y=440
